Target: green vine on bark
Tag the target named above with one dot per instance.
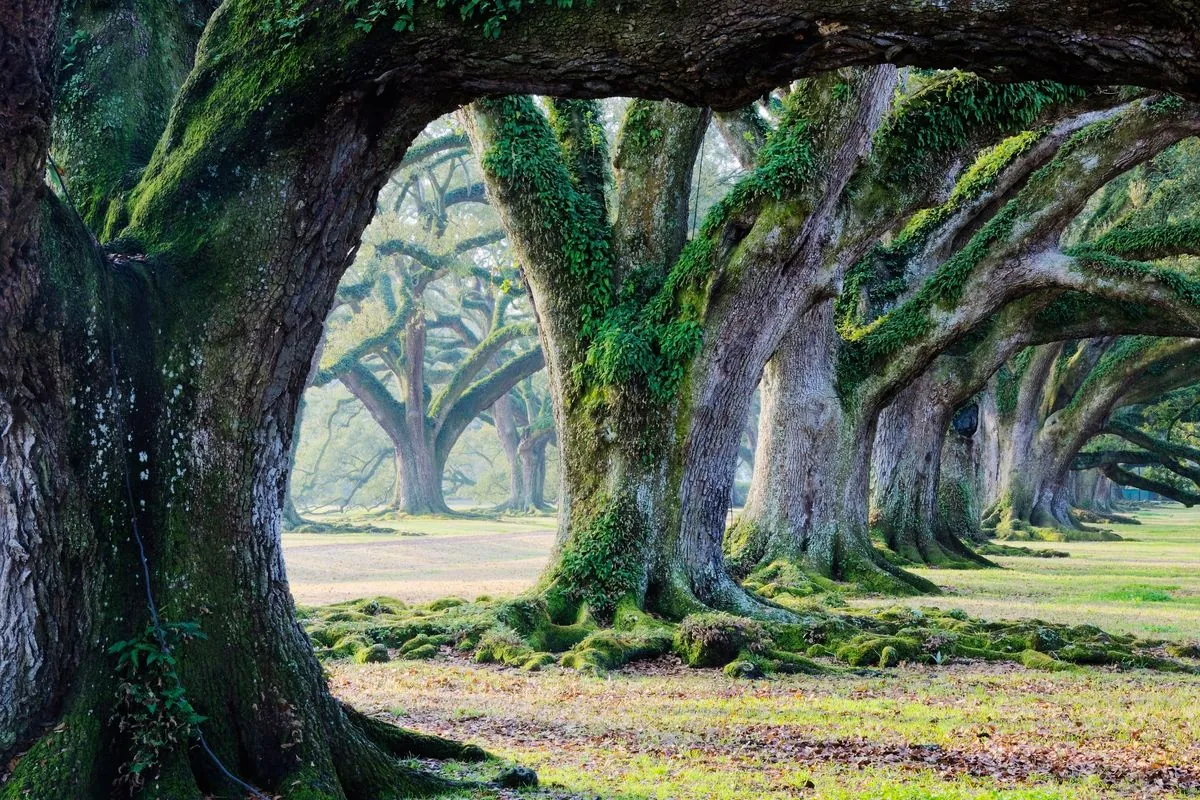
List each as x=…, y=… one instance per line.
x=945, y=112
x=882, y=273
x=152, y=706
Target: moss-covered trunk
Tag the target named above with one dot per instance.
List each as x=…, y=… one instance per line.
x=229, y=263
x=615, y=506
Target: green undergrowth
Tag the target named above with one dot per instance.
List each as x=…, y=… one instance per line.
x=823, y=638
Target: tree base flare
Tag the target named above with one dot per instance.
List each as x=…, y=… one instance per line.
x=363, y=758
x=1004, y=523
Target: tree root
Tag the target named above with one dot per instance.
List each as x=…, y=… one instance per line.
x=403, y=743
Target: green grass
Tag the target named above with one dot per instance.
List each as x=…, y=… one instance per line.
x=967, y=730
x=1148, y=584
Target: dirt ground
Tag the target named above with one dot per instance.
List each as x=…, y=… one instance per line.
x=327, y=568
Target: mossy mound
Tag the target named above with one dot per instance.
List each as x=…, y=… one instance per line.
x=1001, y=524
x=886, y=651
x=822, y=638
x=1017, y=531
x=1032, y=659
x=1183, y=649
x=374, y=654
x=783, y=580
x=714, y=640
x=997, y=549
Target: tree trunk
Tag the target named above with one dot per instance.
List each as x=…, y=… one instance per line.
x=792, y=492
x=907, y=490
x=613, y=511
x=208, y=376
x=809, y=493
x=1019, y=418
x=957, y=511
x=533, y=467
x=47, y=543
x=908, y=444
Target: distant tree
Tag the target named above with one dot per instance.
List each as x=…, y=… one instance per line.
x=427, y=339
x=525, y=424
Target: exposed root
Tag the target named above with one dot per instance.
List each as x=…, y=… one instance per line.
x=1101, y=517
x=403, y=743
x=1003, y=523
x=817, y=636
x=997, y=549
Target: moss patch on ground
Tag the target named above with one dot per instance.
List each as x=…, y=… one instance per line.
x=520, y=633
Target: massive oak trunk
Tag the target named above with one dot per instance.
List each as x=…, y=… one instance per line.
x=809, y=494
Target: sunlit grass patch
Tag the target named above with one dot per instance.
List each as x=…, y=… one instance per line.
x=1139, y=594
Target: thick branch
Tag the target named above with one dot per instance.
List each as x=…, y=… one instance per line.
x=1127, y=478
x=495, y=341
x=482, y=394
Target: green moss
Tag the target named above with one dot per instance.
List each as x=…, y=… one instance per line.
x=446, y=602
x=347, y=647
x=951, y=108
x=604, y=560
x=503, y=646
x=1044, y=640
x=996, y=549
x=375, y=654
x=1183, y=649
x=1032, y=659
x=859, y=638
x=889, y=657
x=715, y=639
x=606, y=650
x=867, y=649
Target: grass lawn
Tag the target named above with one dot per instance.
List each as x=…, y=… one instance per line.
x=1148, y=584
x=967, y=730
